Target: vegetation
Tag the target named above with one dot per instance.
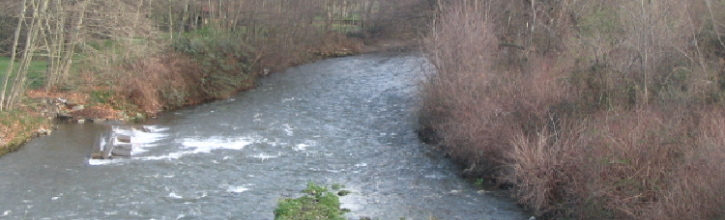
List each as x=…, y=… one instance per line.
x=17, y=127
x=589, y=109
x=143, y=56
x=318, y=203
x=35, y=72
x=114, y=46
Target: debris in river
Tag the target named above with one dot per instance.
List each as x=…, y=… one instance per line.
x=117, y=143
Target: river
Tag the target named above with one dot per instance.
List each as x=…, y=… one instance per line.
x=345, y=120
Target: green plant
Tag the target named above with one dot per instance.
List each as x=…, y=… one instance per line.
x=343, y=192
x=224, y=60
x=101, y=96
x=479, y=182
x=337, y=186
x=318, y=203
x=36, y=72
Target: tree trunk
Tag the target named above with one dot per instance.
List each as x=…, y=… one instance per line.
x=171, y=20
x=330, y=12
x=16, y=38
x=19, y=83
x=184, y=17
x=73, y=40
x=54, y=43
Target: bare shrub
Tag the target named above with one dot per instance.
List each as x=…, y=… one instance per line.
x=592, y=110
x=629, y=162
x=478, y=110
x=458, y=92
x=160, y=82
x=695, y=189
x=640, y=165
x=541, y=167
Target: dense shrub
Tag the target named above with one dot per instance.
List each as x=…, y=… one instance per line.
x=160, y=82
x=590, y=109
x=225, y=62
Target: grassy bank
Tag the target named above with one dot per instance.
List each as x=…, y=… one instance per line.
x=18, y=127
x=584, y=114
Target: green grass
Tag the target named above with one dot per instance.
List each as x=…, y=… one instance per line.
x=318, y=203
x=36, y=72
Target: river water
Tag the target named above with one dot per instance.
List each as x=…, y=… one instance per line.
x=346, y=120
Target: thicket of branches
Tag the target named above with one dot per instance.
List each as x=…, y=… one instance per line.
x=591, y=109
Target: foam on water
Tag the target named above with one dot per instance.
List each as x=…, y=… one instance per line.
x=304, y=145
x=189, y=146
x=264, y=156
x=206, y=145
x=288, y=130
x=143, y=139
x=155, y=128
x=97, y=162
x=237, y=189
x=301, y=147
x=173, y=195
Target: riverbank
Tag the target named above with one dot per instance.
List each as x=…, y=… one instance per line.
x=99, y=104
x=19, y=127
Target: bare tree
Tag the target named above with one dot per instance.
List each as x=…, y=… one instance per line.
x=13, y=53
x=20, y=82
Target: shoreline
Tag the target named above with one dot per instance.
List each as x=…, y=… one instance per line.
x=45, y=110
